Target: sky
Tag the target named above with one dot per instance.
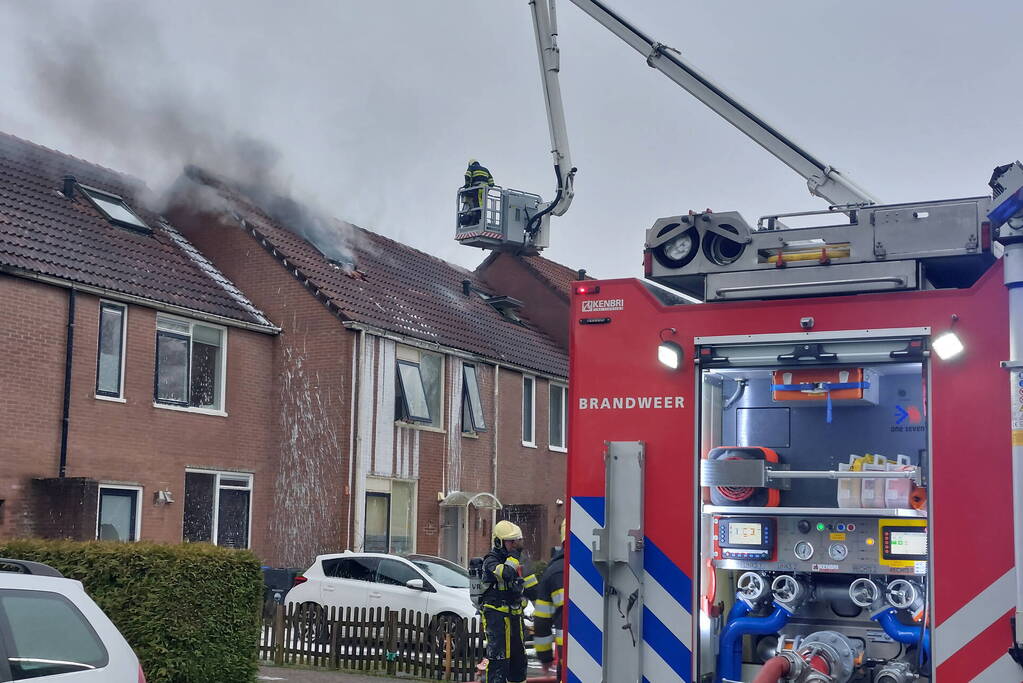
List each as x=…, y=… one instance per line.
x=370, y=110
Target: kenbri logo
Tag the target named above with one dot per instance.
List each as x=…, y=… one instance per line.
x=596, y=305
x=630, y=402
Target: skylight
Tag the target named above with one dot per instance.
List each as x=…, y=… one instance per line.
x=114, y=208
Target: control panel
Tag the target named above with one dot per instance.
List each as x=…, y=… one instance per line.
x=847, y=545
x=745, y=538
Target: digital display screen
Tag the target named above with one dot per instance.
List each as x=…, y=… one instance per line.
x=905, y=543
x=745, y=533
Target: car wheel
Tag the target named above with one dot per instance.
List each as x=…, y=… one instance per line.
x=445, y=625
x=311, y=623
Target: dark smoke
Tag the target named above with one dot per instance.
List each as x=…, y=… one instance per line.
x=121, y=98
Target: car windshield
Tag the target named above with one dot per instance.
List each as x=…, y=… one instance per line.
x=443, y=572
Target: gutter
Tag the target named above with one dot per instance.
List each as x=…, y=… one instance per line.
x=440, y=348
x=69, y=350
x=141, y=301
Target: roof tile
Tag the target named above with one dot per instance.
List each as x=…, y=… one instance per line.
x=406, y=291
x=44, y=233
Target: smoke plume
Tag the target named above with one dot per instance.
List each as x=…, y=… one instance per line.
x=126, y=102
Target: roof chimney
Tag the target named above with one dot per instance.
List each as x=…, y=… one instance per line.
x=69, y=186
x=466, y=287
x=580, y=274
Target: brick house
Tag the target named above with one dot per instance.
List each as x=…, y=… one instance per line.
x=138, y=378
x=544, y=285
x=418, y=404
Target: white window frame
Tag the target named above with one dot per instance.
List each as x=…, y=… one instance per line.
x=410, y=354
x=138, y=506
x=124, y=349
x=551, y=386
x=382, y=485
x=218, y=474
x=221, y=411
x=531, y=443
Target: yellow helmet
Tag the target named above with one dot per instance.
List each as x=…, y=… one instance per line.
x=507, y=531
x=472, y=161
x=563, y=531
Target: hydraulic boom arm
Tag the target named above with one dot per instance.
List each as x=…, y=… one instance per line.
x=546, y=29
x=823, y=180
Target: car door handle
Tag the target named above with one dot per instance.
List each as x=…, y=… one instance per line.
x=328, y=588
x=376, y=595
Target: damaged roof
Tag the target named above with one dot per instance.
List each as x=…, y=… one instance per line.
x=44, y=233
x=397, y=288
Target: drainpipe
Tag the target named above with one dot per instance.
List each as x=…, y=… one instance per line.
x=353, y=432
x=497, y=421
x=356, y=416
x=69, y=348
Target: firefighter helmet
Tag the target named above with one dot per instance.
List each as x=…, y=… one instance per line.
x=506, y=531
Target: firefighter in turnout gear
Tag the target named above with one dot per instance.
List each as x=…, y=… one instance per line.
x=477, y=180
x=548, y=601
x=501, y=606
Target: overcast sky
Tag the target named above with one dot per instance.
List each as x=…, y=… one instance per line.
x=375, y=107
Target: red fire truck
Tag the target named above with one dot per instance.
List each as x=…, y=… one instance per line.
x=792, y=452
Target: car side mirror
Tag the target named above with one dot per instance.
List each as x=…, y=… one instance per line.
x=416, y=584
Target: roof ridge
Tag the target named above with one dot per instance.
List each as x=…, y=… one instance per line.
x=51, y=150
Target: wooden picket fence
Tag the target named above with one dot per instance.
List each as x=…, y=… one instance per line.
x=377, y=640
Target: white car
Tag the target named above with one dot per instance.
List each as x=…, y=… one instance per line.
x=420, y=583
x=51, y=629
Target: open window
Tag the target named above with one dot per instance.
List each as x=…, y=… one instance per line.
x=472, y=404
x=419, y=391
x=115, y=209
x=412, y=404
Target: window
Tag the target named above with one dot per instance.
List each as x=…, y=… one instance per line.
x=472, y=404
x=412, y=394
x=352, y=568
x=119, y=515
x=110, y=350
x=558, y=417
x=114, y=208
x=390, y=516
x=528, y=410
x=47, y=635
x=378, y=522
x=189, y=364
x=217, y=507
x=419, y=387
x=395, y=573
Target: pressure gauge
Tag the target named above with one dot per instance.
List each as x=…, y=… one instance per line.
x=803, y=551
x=838, y=551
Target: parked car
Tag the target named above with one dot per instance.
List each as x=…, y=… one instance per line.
x=421, y=583
x=50, y=628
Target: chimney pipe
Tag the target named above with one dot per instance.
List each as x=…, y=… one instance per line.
x=466, y=287
x=581, y=274
x=69, y=186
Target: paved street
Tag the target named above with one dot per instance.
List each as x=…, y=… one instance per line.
x=290, y=675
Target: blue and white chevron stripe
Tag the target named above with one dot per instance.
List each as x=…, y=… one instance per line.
x=667, y=612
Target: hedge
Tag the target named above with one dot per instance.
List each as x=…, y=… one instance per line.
x=191, y=612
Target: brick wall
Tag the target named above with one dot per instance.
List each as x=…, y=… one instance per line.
x=546, y=308
x=131, y=442
x=312, y=362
